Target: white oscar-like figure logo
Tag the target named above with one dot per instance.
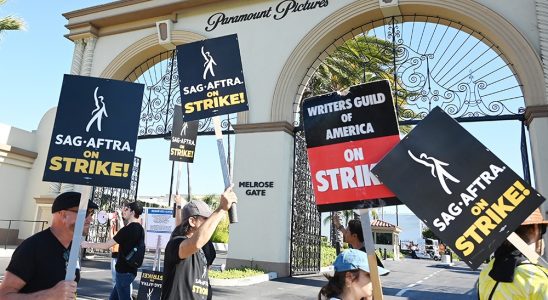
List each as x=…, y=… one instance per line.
x=98, y=112
x=436, y=168
x=208, y=64
x=183, y=130
x=149, y=294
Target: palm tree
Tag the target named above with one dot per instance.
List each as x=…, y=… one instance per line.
x=358, y=60
x=347, y=215
x=10, y=22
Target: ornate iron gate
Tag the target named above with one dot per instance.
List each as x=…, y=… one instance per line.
x=430, y=62
x=305, y=219
x=110, y=199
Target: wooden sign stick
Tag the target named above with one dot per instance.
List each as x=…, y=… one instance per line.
x=371, y=257
x=85, y=192
x=531, y=254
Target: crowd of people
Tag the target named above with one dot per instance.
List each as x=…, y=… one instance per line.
x=38, y=266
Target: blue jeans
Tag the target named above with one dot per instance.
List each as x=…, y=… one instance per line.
x=122, y=288
x=113, y=270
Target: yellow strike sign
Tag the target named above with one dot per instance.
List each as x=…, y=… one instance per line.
x=493, y=216
x=214, y=102
x=88, y=165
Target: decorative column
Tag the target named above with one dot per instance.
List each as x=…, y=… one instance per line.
x=55, y=187
x=537, y=116
x=81, y=65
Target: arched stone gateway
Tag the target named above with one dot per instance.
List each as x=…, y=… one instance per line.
x=278, y=56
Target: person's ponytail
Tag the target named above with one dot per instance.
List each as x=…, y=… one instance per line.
x=334, y=286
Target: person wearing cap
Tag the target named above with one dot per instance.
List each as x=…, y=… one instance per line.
x=351, y=280
x=37, y=267
x=185, y=264
x=127, y=237
x=510, y=275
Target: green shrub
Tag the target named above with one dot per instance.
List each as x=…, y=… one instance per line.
x=328, y=255
x=220, y=235
x=236, y=273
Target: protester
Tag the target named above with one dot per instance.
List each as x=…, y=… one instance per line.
x=510, y=275
x=351, y=280
x=127, y=237
x=38, y=266
x=353, y=235
x=185, y=264
x=208, y=249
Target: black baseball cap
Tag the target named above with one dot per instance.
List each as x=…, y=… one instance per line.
x=67, y=200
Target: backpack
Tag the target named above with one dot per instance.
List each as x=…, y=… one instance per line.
x=136, y=255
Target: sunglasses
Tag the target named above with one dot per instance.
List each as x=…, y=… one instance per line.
x=89, y=212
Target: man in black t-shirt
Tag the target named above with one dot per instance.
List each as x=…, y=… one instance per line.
x=38, y=266
x=185, y=264
x=127, y=237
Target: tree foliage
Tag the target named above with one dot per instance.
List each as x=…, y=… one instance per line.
x=10, y=22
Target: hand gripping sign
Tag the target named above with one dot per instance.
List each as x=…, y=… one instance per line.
x=346, y=135
x=95, y=132
x=465, y=194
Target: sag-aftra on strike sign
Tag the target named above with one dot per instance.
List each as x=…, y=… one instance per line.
x=466, y=195
x=346, y=135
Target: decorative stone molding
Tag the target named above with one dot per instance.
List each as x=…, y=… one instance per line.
x=536, y=111
x=142, y=50
x=521, y=55
x=263, y=127
x=77, y=57
x=16, y=156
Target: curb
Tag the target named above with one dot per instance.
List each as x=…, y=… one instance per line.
x=243, y=281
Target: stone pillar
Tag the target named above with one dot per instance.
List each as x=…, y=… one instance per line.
x=57, y=187
x=77, y=57
x=264, y=153
x=537, y=120
x=88, y=56
x=537, y=117
x=81, y=65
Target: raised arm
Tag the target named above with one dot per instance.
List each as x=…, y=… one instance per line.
x=205, y=231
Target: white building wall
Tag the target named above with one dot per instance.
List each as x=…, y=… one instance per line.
x=14, y=172
x=35, y=186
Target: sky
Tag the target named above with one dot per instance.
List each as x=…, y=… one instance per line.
x=32, y=64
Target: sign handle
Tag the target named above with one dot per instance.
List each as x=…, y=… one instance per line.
x=371, y=257
x=232, y=212
x=85, y=192
x=156, y=266
x=531, y=255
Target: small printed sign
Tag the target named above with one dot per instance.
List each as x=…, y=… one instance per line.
x=95, y=132
x=465, y=194
x=346, y=135
x=211, y=78
x=150, y=286
x=183, y=138
x=159, y=223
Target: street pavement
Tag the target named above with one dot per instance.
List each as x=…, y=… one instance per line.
x=409, y=279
